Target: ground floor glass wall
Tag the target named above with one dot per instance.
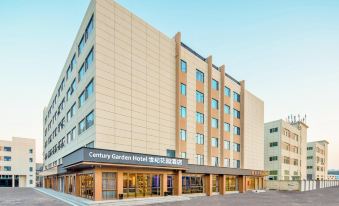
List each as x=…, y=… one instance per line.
x=109, y=187
x=87, y=186
x=215, y=183
x=231, y=184
x=193, y=184
x=141, y=185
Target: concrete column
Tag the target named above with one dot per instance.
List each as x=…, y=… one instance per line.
x=222, y=184
x=242, y=184
x=209, y=183
x=77, y=185
x=178, y=183
x=120, y=183
x=13, y=181
x=97, y=184
x=164, y=184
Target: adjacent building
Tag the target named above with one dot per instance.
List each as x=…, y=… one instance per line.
x=17, y=162
x=317, y=158
x=39, y=179
x=285, y=150
x=137, y=114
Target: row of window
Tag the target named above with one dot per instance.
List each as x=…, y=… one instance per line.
x=287, y=160
x=273, y=130
x=9, y=158
x=9, y=168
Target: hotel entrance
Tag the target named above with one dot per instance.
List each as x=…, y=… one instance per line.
x=141, y=185
x=170, y=186
x=87, y=186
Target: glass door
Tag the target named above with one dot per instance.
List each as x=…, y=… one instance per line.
x=170, y=188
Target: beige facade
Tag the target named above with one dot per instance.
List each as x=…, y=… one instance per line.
x=17, y=162
x=317, y=160
x=146, y=97
x=285, y=150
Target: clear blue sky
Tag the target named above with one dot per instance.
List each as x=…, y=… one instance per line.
x=287, y=51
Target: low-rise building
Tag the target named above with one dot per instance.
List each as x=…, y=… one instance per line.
x=17, y=162
x=317, y=156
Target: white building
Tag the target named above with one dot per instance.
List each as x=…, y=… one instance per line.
x=317, y=156
x=285, y=150
x=17, y=162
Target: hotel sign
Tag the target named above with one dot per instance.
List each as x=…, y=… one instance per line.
x=118, y=157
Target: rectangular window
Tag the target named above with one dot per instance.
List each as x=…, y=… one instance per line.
x=215, y=84
x=227, y=145
x=199, y=96
x=7, y=149
x=82, y=99
x=236, y=163
x=68, y=72
x=215, y=161
x=236, y=147
x=89, y=28
x=236, y=113
x=73, y=62
x=109, y=185
x=273, y=144
x=273, y=172
x=215, y=104
x=183, y=155
x=7, y=168
x=272, y=130
x=226, y=109
x=89, y=89
x=227, y=91
x=200, y=159
x=7, y=158
x=226, y=127
x=81, y=45
x=89, y=59
x=215, y=142
x=226, y=162
x=200, y=76
x=183, y=112
x=236, y=130
x=82, y=126
x=89, y=120
x=199, y=118
x=215, y=123
x=183, y=135
x=31, y=169
x=183, y=89
x=273, y=158
x=183, y=66
x=199, y=138
x=81, y=73
x=71, y=112
x=30, y=159
x=170, y=153
x=236, y=97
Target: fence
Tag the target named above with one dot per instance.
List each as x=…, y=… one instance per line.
x=300, y=185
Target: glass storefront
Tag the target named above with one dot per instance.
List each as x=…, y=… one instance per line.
x=231, y=183
x=141, y=185
x=215, y=183
x=170, y=187
x=193, y=184
x=250, y=183
x=87, y=186
x=109, y=187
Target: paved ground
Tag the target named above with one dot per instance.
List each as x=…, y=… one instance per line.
x=323, y=197
x=26, y=197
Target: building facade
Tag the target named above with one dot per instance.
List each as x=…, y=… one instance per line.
x=285, y=150
x=17, y=162
x=317, y=158
x=136, y=113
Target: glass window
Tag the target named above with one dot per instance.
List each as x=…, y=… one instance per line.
x=227, y=145
x=81, y=45
x=81, y=73
x=89, y=59
x=215, y=142
x=236, y=130
x=227, y=91
x=199, y=138
x=199, y=118
x=82, y=99
x=89, y=28
x=273, y=158
x=226, y=162
x=215, y=123
x=7, y=158
x=183, y=66
x=170, y=153
x=183, y=89
x=215, y=104
x=7, y=168
x=199, y=75
x=89, y=120
x=82, y=126
x=226, y=109
x=30, y=159
x=226, y=127
x=183, y=135
x=68, y=72
x=183, y=112
x=31, y=169
x=215, y=161
x=73, y=62
x=236, y=113
x=273, y=144
x=8, y=149
x=215, y=84
x=109, y=185
x=89, y=89
x=183, y=155
x=236, y=97
x=200, y=159
x=199, y=96
x=236, y=147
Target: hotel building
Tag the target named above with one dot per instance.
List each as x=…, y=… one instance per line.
x=136, y=114
x=317, y=156
x=285, y=150
x=17, y=162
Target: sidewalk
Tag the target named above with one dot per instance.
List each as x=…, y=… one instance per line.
x=78, y=201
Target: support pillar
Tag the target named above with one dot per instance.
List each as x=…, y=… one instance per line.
x=98, y=184
x=77, y=185
x=209, y=183
x=242, y=184
x=222, y=184
x=120, y=183
x=178, y=183
x=13, y=180
x=164, y=184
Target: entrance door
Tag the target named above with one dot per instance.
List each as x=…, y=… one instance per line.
x=170, y=188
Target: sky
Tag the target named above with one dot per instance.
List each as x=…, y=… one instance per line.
x=286, y=51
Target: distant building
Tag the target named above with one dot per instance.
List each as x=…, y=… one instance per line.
x=332, y=177
x=39, y=178
x=285, y=150
x=317, y=156
x=17, y=162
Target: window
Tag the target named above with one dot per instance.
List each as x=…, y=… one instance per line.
x=109, y=185
x=273, y=158
x=81, y=73
x=215, y=161
x=73, y=62
x=183, y=66
x=82, y=99
x=68, y=72
x=226, y=127
x=226, y=109
x=309, y=157
x=273, y=144
x=214, y=142
x=31, y=182
x=200, y=76
x=89, y=59
x=7, y=149
x=236, y=147
x=215, y=123
x=227, y=145
x=199, y=118
x=183, y=112
x=30, y=159
x=215, y=104
x=183, y=135
x=236, y=163
x=31, y=169
x=273, y=172
x=183, y=89
x=170, y=153
x=236, y=113
x=226, y=162
x=200, y=159
x=272, y=130
x=30, y=151
x=71, y=89
x=89, y=90
x=7, y=168
x=199, y=96
x=227, y=91
x=236, y=130
x=89, y=28
x=71, y=135
x=89, y=120
x=71, y=112
x=183, y=155
x=199, y=138
x=7, y=158
x=215, y=84
x=81, y=45
x=236, y=97
x=309, y=148
x=286, y=160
